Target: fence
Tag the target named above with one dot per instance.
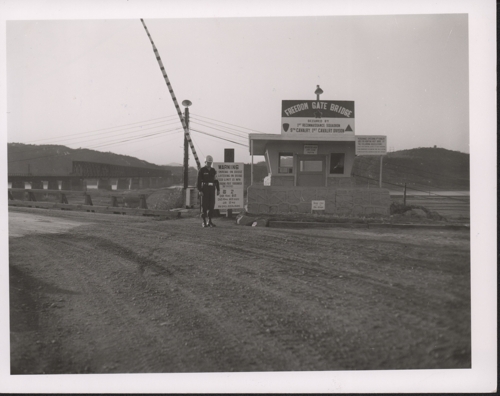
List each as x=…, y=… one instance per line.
x=83, y=201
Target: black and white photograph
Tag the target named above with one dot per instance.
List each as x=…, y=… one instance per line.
x=260, y=198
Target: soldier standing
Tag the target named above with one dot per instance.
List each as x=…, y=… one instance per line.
x=207, y=184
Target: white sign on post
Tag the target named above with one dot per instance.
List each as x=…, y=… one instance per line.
x=371, y=145
x=230, y=176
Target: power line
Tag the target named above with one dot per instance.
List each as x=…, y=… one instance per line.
x=121, y=134
x=85, y=139
x=233, y=134
x=241, y=133
x=218, y=137
x=103, y=129
x=145, y=137
x=103, y=145
x=253, y=130
x=167, y=140
x=199, y=149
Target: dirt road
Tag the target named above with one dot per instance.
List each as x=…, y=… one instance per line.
x=124, y=294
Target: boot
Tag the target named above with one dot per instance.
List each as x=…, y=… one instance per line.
x=210, y=224
x=204, y=224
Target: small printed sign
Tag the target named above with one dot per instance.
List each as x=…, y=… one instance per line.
x=310, y=149
x=371, y=145
x=317, y=205
x=230, y=176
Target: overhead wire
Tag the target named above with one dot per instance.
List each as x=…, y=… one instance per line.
x=198, y=148
x=147, y=122
x=239, y=133
x=253, y=130
x=121, y=141
x=112, y=133
x=218, y=137
x=202, y=122
x=145, y=137
x=240, y=137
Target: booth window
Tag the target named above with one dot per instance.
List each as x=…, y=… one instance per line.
x=337, y=163
x=286, y=163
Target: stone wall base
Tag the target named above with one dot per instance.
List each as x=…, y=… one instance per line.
x=345, y=201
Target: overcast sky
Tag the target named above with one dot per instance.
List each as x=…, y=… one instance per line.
x=96, y=83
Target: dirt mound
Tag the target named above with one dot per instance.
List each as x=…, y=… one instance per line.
x=166, y=199
x=415, y=211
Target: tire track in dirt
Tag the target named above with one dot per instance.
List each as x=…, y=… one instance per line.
x=173, y=297
x=126, y=310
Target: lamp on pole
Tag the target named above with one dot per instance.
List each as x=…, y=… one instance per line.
x=318, y=92
x=186, y=103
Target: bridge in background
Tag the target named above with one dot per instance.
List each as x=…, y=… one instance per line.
x=86, y=175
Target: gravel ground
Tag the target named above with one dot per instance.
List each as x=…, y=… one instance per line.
x=94, y=293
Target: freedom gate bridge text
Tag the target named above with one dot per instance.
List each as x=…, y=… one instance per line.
x=319, y=118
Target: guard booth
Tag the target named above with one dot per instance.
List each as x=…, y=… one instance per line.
x=310, y=163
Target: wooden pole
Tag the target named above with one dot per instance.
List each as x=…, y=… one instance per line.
x=404, y=196
x=186, y=150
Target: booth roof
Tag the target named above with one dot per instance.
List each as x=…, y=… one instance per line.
x=260, y=140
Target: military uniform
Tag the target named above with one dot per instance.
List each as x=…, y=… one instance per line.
x=207, y=184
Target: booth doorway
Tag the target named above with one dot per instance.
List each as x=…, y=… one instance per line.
x=311, y=171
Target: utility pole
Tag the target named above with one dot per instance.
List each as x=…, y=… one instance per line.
x=186, y=103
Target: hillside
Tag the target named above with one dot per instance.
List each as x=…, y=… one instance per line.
x=57, y=160
x=420, y=168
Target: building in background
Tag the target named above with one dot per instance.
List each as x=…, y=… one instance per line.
x=309, y=164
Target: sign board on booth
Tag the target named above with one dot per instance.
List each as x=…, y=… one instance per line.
x=325, y=118
x=371, y=145
x=310, y=149
x=230, y=176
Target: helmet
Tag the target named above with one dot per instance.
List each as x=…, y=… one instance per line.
x=209, y=159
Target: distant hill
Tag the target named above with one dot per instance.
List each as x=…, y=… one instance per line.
x=420, y=168
x=51, y=159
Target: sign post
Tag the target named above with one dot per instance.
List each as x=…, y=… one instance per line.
x=372, y=145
